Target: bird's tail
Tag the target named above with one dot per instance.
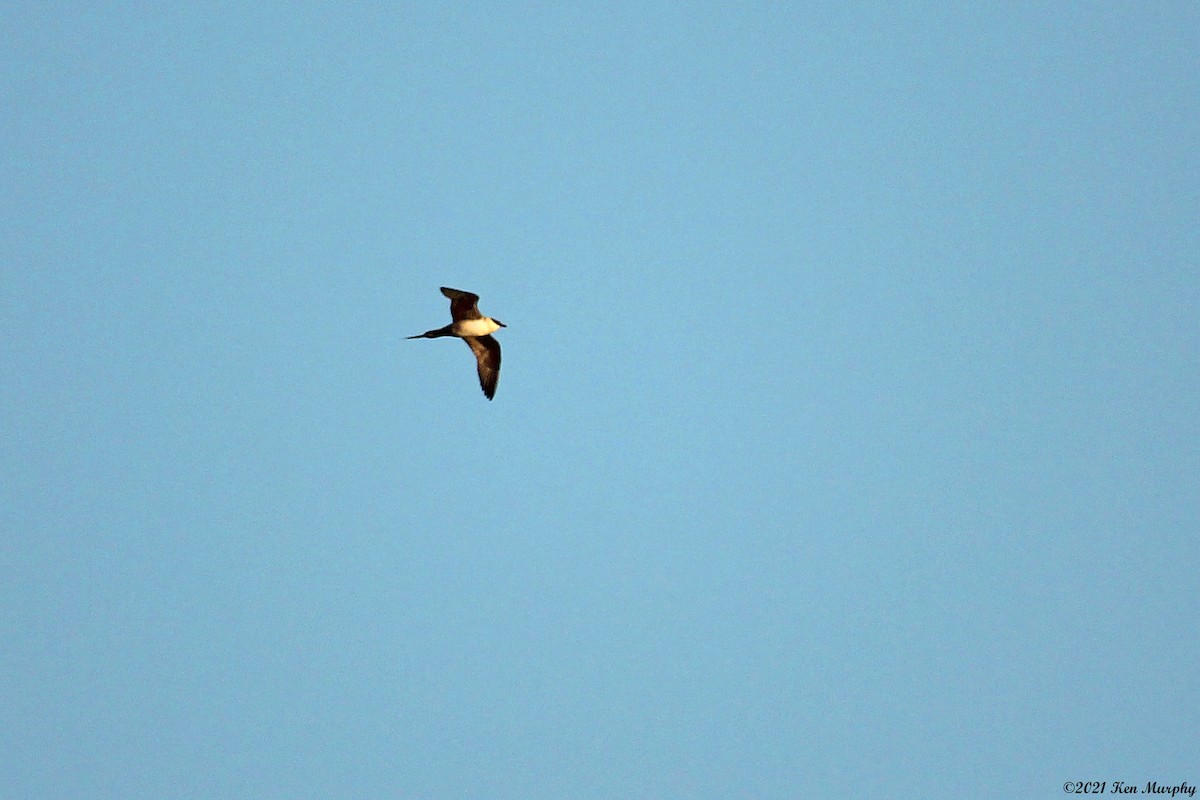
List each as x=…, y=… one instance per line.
x=446, y=331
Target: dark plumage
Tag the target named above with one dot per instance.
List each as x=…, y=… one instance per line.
x=475, y=329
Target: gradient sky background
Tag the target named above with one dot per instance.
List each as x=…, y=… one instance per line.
x=846, y=445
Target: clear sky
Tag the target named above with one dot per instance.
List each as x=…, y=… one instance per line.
x=847, y=442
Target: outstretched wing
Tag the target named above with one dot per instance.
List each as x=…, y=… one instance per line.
x=487, y=355
x=463, y=305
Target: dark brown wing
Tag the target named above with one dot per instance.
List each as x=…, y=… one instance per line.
x=463, y=305
x=487, y=354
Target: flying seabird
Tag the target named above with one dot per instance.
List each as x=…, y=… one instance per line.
x=474, y=329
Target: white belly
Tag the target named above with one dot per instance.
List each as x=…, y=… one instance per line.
x=475, y=327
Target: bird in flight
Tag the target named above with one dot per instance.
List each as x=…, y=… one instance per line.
x=474, y=329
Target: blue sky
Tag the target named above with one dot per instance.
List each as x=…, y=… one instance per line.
x=846, y=442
